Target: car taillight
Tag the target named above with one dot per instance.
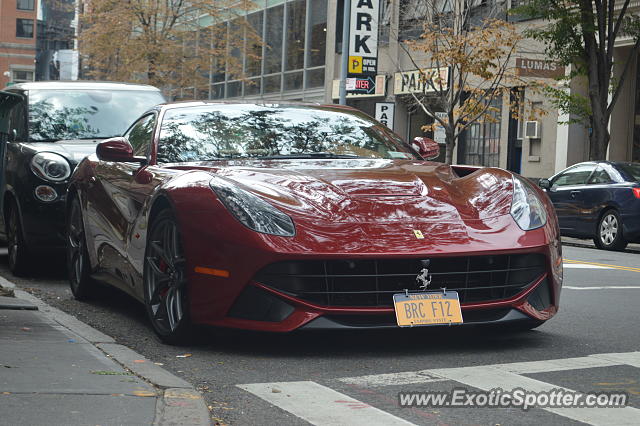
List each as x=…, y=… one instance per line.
x=636, y=192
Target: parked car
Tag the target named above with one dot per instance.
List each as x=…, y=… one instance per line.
x=599, y=200
x=51, y=130
x=285, y=217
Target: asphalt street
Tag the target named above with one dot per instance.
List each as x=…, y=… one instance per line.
x=355, y=377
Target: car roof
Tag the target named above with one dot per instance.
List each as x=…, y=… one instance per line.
x=82, y=85
x=274, y=103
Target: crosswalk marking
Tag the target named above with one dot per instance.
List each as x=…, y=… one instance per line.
x=320, y=405
x=529, y=367
x=487, y=378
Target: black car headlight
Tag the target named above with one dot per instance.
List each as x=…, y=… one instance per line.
x=252, y=211
x=526, y=207
x=50, y=166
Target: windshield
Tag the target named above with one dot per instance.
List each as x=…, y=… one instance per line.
x=85, y=114
x=632, y=169
x=214, y=132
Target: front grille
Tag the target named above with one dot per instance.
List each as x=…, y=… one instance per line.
x=372, y=282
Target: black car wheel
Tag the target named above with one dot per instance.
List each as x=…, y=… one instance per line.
x=165, y=289
x=609, y=232
x=17, y=248
x=79, y=268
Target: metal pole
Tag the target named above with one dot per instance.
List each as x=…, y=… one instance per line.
x=345, y=51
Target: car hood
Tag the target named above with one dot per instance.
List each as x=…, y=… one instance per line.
x=374, y=191
x=73, y=150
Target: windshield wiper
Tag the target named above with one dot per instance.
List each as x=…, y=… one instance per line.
x=308, y=155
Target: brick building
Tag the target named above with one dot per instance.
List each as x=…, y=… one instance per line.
x=17, y=40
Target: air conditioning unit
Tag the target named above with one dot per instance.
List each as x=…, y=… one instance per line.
x=532, y=129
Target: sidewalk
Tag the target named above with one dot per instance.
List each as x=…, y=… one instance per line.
x=576, y=242
x=56, y=370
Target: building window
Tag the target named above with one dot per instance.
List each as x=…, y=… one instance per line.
x=482, y=139
x=26, y=4
x=20, y=76
x=24, y=28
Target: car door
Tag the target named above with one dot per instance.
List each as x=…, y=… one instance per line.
x=593, y=197
x=115, y=205
x=566, y=192
x=12, y=127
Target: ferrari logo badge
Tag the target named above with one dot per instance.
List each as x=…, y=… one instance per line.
x=418, y=234
x=423, y=279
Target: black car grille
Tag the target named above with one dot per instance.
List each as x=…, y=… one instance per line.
x=372, y=282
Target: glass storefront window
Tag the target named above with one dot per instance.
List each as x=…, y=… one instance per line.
x=273, y=40
x=317, y=33
x=234, y=89
x=296, y=15
x=252, y=87
x=217, y=91
x=253, y=62
x=293, y=81
x=272, y=84
x=315, y=78
x=482, y=139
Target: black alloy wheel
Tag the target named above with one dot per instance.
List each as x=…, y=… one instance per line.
x=165, y=283
x=82, y=285
x=18, y=252
x=609, y=232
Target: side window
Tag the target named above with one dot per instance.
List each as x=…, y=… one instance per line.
x=140, y=135
x=575, y=176
x=600, y=176
x=16, y=120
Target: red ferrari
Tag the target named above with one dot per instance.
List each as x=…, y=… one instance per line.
x=285, y=217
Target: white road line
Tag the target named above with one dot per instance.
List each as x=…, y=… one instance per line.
x=610, y=287
x=320, y=405
x=528, y=367
x=392, y=379
x=582, y=266
x=628, y=358
x=486, y=378
x=564, y=364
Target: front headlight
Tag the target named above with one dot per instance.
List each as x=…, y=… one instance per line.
x=50, y=166
x=526, y=207
x=252, y=211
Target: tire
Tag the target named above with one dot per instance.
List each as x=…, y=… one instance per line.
x=82, y=285
x=19, y=256
x=165, y=284
x=609, y=232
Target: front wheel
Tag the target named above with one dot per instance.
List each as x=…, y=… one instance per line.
x=18, y=251
x=165, y=282
x=609, y=232
x=82, y=285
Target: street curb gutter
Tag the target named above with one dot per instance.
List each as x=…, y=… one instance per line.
x=180, y=403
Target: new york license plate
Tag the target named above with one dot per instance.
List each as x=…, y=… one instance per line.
x=427, y=308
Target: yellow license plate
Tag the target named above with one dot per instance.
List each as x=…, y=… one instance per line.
x=428, y=308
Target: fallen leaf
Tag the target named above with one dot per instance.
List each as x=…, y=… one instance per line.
x=158, y=363
x=183, y=356
x=25, y=329
x=138, y=361
x=274, y=390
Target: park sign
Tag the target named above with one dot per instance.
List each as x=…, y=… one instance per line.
x=421, y=81
x=363, y=46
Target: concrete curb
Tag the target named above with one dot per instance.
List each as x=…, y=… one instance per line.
x=180, y=403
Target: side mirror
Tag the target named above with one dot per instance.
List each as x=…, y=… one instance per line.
x=427, y=148
x=119, y=150
x=544, y=183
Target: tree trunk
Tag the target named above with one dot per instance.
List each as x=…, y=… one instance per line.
x=599, y=137
x=450, y=144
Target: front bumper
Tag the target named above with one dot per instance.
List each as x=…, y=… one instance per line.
x=213, y=239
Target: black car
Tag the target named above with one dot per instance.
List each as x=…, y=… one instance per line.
x=55, y=125
x=599, y=200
